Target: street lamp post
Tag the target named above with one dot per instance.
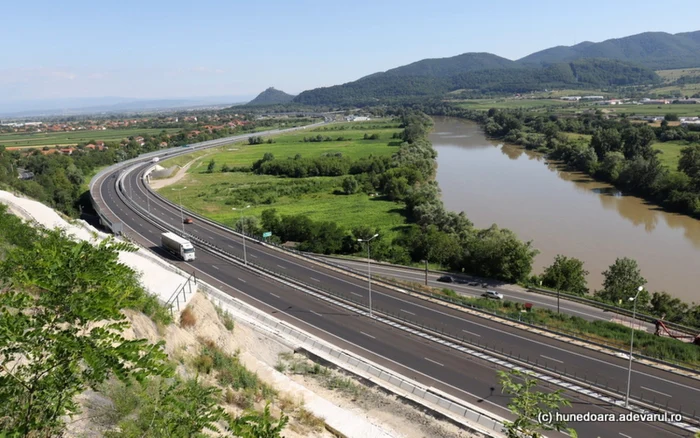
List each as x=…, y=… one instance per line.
x=369, y=271
x=245, y=257
x=629, y=368
x=182, y=216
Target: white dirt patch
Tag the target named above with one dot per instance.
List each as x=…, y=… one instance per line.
x=160, y=183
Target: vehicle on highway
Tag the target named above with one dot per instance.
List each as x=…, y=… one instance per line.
x=492, y=294
x=446, y=279
x=473, y=283
x=188, y=220
x=155, y=160
x=177, y=245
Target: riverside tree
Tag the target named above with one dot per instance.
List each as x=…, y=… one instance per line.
x=622, y=279
x=62, y=329
x=566, y=274
x=532, y=407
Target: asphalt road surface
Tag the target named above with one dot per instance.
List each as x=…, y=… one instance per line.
x=461, y=375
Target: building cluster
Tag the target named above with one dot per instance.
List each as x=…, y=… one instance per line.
x=685, y=121
x=353, y=118
x=600, y=100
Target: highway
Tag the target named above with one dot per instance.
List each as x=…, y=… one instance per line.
x=449, y=370
x=522, y=296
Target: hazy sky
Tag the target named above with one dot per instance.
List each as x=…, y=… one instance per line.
x=161, y=49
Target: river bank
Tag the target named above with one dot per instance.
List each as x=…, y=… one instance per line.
x=563, y=212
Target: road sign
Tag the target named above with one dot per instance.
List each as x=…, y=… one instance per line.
x=267, y=234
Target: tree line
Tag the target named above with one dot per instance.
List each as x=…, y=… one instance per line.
x=619, y=151
x=406, y=177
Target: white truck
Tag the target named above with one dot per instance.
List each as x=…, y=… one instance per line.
x=177, y=245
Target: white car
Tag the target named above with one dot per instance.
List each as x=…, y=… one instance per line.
x=492, y=294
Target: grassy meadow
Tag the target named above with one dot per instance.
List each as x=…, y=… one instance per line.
x=670, y=153
x=41, y=139
x=215, y=194
x=673, y=75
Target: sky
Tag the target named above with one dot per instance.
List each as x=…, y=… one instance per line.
x=158, y=49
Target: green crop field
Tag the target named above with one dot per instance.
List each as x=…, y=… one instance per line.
x=215, y=194
x=40, y=139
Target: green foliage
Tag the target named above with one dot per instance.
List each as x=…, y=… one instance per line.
x=350, y=185
x=531, y=406
x=435, y=77
x=156, y=408
x=497, y=253
x=566, y=274
x=57, y=292
x=211, y=166
x=255, y=425
x=621, y=282
x=654, y=50
x=271, y=96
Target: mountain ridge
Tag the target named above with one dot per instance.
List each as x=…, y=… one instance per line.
x=614, y=62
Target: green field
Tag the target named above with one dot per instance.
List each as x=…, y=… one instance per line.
x=486, y=104
x=40, y=139
x=672, y=75
x=654, y=110
x=215, y=194
x=670, y=153
x=561, y=106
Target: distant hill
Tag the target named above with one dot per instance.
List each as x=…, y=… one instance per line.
x=271, y=96
x=654, y=50
x=586, y=73
x=446, y=67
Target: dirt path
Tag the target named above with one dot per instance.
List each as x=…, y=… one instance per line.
x=160, y=183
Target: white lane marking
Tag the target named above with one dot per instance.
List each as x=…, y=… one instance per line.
x=471, y=322
x=253, y=255
x=430, y=360
x=215, y=267
x=626, y=436
x=231, y=246
x=543, y=344
x=472, y=333
x=356, y=294
x=240, y=279
x=281, y=266
x=274, y=295
x=315, y=313
x=460, y=286
x=658, y=392
x=431, y=378
x=369, y=336
x=551, y=358
x=410, y=313
x=315, y=279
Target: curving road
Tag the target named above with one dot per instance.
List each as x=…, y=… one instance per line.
x=463, y=376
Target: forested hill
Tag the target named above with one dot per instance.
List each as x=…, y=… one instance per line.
x=587, y=73
x=446, y=67
x=654, y=50
x=271, y=96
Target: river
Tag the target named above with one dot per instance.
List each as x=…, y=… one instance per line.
x=564, y=212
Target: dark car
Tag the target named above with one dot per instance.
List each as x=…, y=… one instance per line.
x=446, y=279
x=188, y=220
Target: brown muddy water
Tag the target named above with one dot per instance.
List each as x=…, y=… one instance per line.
x=564, y=212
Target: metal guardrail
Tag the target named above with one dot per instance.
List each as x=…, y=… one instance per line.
x=562, y=295
x=164, y=225
x=376, y=278
x=443, y=331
